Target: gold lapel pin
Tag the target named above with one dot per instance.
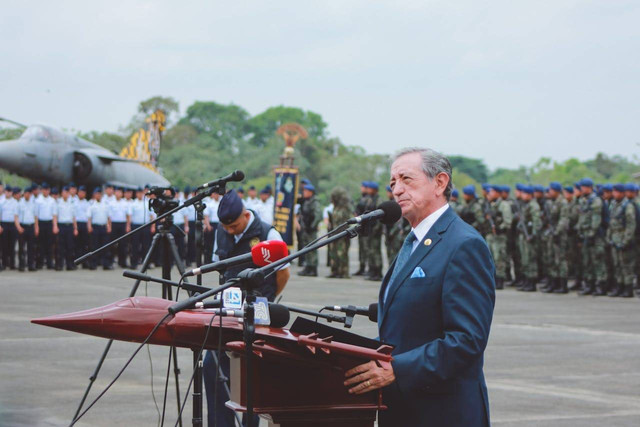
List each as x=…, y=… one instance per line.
x=427, y=242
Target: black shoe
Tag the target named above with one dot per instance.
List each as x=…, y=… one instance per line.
x=587, y=288
x=59, y=268
x=627, y=291
x=309, y=272
x=528, y=286
x=499, y=283
x=562, y=287
x=577, y=285
x=72, y=268
x=551, y=286
x=616, y=290
x=333, y=276
x=360, y=272
x=109, y=267
x=375, y=275
x=601, y=289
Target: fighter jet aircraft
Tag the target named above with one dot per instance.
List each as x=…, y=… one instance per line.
x=43, y=153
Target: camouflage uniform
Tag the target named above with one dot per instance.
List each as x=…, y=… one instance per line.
x=310, y=217
x=472, y=214
x=543, y=242
x=558, y=266
x=374, y=244
x=621, y=235
x=501, y=215
x=340, y=249
x=526, y=243
x=574, y=244
x=363, y=239
x=591, y=233
x=512, y=240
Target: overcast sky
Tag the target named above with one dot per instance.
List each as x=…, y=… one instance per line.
x=505, y=81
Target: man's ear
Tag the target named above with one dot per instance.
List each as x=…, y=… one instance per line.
x=442, y=180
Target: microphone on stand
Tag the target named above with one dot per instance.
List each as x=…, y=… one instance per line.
x=232, y=177
x=278, y=314
x=262, y=254
x=388, y=212
x=371, y=312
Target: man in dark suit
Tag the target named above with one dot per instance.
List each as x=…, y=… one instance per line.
x=435, y=307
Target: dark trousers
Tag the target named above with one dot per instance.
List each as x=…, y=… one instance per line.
x=191, y=243
x=66, y=246
x=9, y=239
x=82, y=240
x=209, y=238
x=178, y=235
x=27, y=245
x=45, y=243
x=140, y=243
x=118, y=229
x=98, y=238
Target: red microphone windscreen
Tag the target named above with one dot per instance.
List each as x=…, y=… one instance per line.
x=268, y=251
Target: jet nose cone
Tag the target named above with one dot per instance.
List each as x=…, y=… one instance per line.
x=10, y=155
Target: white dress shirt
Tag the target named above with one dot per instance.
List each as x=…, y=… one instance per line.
x=425, y=225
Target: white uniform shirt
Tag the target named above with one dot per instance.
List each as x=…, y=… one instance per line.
x=98, y=213
x=138, y=212
x=212, y=210
x=65, y=210
x=27, y=211
x=178, y=216
x=46, y=208
x=118, y=210
x=9, y=210
x=81, y=210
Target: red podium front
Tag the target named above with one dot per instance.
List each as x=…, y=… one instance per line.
x=298, y=378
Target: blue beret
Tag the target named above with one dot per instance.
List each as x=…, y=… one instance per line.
x=82, y=188
x=240, y=189
x=538, y=188
x=586, y=182
x=486, y=186
x=577, y=185
x=389, y=189
x=607, y=187
x=630, y=187
x=55, y=190
x=506, y=189
x=469, y=190
x=72, y=184
x=527, y=189
x=619, y=187
x=17, y=190
x=28, y=189
x=309, y=187
x=374, y=185
x=555, y=186
x=230, y=207
x=139, y=189
x=187, y=189
x=519, y=186
x=568, y=189
x=97, y=190
x=45, y=185
x=454, y=192
x=364, y=184
x=304, y=181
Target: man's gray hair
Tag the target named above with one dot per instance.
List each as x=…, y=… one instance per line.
x=433, y=163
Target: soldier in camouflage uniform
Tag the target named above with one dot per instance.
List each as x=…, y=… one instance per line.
x=631, y=193
x=395, y=233
x=512, y=238
x=559, y=217
x=453, y=200
x=607, y=199
x=310, y=217
x=342, y=211
x=363, y=239
x=621, y=236
x=472, y=212
x=529, y=226
x=500, y=216
x=542, y=242
x=591, y=231
x=374, y=229
x=511, y=232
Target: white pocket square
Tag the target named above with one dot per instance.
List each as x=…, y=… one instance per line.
x=418, y=272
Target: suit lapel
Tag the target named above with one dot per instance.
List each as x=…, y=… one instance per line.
x=421, y=251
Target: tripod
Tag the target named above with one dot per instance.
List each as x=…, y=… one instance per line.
x=164, y=241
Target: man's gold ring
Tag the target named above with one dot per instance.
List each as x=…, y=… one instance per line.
x=367, y=383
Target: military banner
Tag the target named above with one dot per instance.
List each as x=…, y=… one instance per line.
x=286, y=191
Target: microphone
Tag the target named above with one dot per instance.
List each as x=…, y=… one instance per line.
x=232, y=177
x=371, y=312
x=388, y=212
x=278, y=314
x=262, y=254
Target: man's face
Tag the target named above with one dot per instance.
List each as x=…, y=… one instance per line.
x=82, y=194
x=139, y=195
x=215, y=196
x=73, y=191
x=97, y=196
x=46, y=192
x=630, y=194
x=606, y=195
x=27, y=195
x=253, y=193
x=618, y=195
x=526, y=196
x=16, y=195
x=118, y=194
x=416, y=194
x=467, y=197
x=265, y=196
x=307, y=193
x=553, y=194
x=493, y=195
x=568, y=196
x=586, y=190
x=109, y=191
x=65, y=194
x=239, y=225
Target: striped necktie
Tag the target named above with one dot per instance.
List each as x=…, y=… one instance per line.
x=403, y=257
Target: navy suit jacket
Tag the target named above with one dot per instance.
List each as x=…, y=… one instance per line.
x=439, y=325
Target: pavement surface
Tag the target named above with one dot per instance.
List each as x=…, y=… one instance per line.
x=552, y=360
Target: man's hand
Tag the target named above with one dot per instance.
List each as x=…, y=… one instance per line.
x=56, y=230
x=368, y=377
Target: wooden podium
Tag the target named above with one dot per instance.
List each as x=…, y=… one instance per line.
x=298, y=373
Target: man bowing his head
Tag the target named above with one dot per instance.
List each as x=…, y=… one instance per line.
x=435, y=307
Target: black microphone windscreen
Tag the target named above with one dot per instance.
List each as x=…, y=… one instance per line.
x=392, y=212
x=373, y=312
x=238, y=175
x=279, y=315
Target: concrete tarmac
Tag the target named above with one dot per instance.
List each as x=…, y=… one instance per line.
x=552, y=360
